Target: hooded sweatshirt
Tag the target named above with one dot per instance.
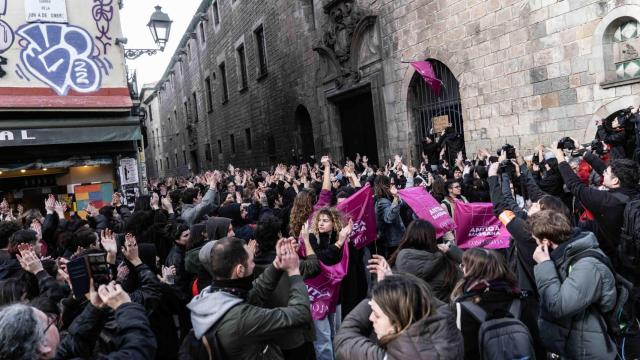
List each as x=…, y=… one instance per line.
x=207, y=308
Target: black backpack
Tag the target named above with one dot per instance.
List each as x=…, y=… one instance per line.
x=621, y=323
x=629, y=247
x=503, y=338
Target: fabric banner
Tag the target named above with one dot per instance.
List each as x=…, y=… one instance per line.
x=476, y=226
x=428, y=208
x=360, y=207
x=425, y=69
x=324, y=289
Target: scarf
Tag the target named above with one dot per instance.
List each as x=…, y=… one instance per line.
x=238, y=287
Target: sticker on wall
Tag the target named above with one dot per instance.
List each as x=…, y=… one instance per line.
x=6, y=36
x=51, y=11
x=3, y=7
x=60, y=56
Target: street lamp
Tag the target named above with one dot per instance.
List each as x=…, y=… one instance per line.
x=160, y=27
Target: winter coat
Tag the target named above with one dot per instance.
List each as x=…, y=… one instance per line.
x=430, y=267
x=568, y=302
x=247, y=329
x=134, y=336
x=432, y=337
x=309, y=268
x=192, y=214
x=607, y=207
x=389, y=223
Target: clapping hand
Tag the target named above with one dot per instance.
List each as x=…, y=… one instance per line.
x=130, y=250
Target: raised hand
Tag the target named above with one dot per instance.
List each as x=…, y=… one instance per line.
x=343, y=236
x=130, y=250
x=50, y=203
x=112, y=295
x=28, y=259
x=378, y=265
x=253, y=245
x=166, y=204
x=325, y=161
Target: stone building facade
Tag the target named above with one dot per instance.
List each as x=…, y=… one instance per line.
x=310, y=77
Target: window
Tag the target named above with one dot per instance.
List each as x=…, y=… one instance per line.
x=262, y=50
x=176, y=158
x=207, y=83
x=203, y=38
x=175, y=114
x=626, y=57
x=216, y=14
x=189, y=50
x=160, y=167
x=207, y=153
x=186, y=110
x=150, y=114
x=242, y=67
x=247, y=138
x=167, y=163
x=223, y=76
x=219, y=146
x=195, y=106
x=232, y=140
x=184, y=155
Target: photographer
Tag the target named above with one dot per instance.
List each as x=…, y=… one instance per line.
x=621, y=180
x=613, y=132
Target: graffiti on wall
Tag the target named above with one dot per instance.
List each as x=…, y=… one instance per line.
x=3, y=7
x=102, y=12
x=6, y=36
x=61, y=56
x=3, y=61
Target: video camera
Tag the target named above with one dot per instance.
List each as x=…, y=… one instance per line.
x=509, y=150
x=566, y=143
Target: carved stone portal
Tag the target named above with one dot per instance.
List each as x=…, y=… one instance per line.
x=344, y=34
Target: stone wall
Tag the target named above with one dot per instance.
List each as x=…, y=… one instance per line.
x=530, y=72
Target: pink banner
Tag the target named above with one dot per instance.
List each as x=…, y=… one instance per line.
x=325, y=288
x=425, y=69
x=477, y=226
x=428, y=208
x=361, y=208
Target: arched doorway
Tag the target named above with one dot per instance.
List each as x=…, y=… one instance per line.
x=304, y=144
x=429, y=109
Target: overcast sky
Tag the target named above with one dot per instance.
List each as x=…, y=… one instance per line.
x=135, y=16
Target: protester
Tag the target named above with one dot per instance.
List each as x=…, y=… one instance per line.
x=576, y=287
x=408, y=322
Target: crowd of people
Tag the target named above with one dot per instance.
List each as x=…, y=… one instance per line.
x=214, y=266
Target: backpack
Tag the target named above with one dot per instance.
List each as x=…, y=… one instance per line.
x=629, y=247
x=622, y=321
x=504, y=338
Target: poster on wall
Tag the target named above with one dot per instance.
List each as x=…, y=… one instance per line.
x=128, y=171
x=51, y=11
x=98, y=195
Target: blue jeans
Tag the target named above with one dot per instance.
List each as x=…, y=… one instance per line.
x=325, y=332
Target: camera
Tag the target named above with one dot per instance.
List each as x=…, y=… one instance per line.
x=598, y=147
x=509, y=150
x=566, y=143
x=536, y=159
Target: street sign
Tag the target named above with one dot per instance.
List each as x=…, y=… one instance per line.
x=50, y=11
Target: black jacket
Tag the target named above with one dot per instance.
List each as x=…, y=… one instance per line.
x=134, y=338
x=607, y=208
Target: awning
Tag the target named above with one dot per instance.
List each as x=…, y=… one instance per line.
x=70, y=135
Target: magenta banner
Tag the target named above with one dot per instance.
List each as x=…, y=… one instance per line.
x=360, y=208
x=477, y=226
x=428, y=208
x=425, y=69
x=325, y=288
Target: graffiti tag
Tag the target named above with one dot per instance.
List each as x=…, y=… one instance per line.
x=60, y=56
x=102, y=13
x=3, y=7
x=6, y=36
x=3, y=61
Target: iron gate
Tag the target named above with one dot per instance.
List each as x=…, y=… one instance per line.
x=426, y=105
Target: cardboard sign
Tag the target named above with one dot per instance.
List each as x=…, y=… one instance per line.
x=440, y=123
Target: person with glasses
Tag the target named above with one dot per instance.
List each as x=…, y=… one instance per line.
x=27, y=333
x=454, y=194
